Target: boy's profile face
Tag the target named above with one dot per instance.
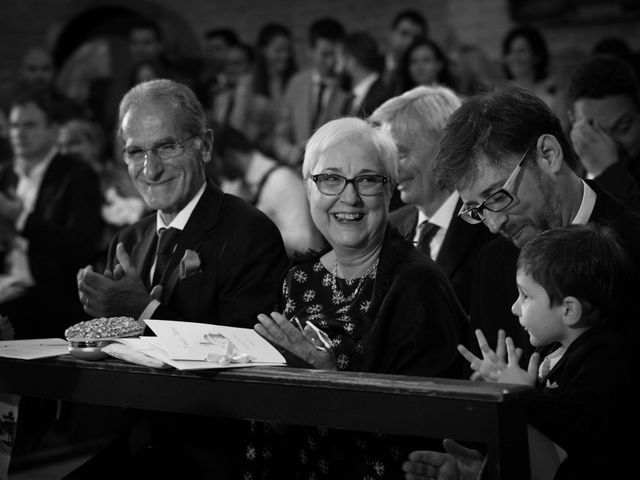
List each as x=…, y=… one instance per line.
x=542, y=321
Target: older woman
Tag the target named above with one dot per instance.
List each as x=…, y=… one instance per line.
x=369, y=302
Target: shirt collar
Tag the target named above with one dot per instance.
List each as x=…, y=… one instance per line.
x=361, y=89
x=183, y=215
x=586, y=205
x=442, y=217
x=38, y=170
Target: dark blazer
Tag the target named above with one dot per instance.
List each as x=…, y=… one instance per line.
x=620, y=182
x=63, y=233
x=494, y=287
x=459, y=251
x=241, y=254
x=378, y=93
x=585, y=402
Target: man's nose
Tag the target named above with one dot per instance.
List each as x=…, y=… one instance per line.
x=494, y=220
x=153, y=165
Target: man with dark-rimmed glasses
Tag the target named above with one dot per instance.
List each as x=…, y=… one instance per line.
x=506, y=154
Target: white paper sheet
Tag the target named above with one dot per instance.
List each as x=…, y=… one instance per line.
x=36, y=348
x=187, y=345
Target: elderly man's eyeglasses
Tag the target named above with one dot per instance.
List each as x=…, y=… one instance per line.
x=164, y=151
x=497, y=201
x=334, y=184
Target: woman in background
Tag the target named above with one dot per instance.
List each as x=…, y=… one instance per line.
x=425, y=63
x=526, y=62
x=275, y=62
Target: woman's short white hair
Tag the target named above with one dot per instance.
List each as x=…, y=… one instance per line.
x=420, y=111
x=353, y=129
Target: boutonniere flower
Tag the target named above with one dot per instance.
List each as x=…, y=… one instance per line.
x=190, y=264
x=552, y=385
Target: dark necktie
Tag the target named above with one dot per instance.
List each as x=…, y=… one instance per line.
x=322, y=86
x=427, y=232
x=167, y=238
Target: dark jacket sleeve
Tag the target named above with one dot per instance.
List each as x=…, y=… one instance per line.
x=63, y=236
x=620, y=183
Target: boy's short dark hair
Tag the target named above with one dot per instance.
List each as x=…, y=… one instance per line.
x=583, y=261
x=603, y=76
x=326, y=28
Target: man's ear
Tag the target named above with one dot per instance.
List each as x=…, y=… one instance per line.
x=550, y=155
x=207, y=145
x=571, y=311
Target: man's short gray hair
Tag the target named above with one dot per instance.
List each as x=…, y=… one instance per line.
x=419, y=111
x=353, y=129
x=192, y=116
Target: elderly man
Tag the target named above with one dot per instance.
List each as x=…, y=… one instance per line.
x=49, y=223
x=205, y=256
x=416, y=120
x=507, y=156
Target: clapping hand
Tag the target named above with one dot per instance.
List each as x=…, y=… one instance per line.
x=458, y=463
x=305, y=344
x=495, y=366
x=115, y=293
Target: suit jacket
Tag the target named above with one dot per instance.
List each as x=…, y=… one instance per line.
x=63, y=233
x=459, y=251
x=241, y=256
x=585, y=401
x=494, y=286
x=620, y=182
x=378, y=93
x=294, y=126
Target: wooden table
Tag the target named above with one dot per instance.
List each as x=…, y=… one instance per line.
x=463, y=410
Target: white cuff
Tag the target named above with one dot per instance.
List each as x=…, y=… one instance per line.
x=149, y=310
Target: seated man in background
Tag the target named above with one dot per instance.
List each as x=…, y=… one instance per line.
x=604, y=98
x=313, y=96
x=49, y=223
x=416, y=120
x=273, y=188
x=203, y=257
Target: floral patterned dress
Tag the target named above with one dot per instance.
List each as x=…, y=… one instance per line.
x=341, y=308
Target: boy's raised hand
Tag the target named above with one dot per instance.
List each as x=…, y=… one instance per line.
x=487, y=368
x=512, y=373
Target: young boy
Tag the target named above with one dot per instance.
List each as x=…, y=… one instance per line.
x=568, y=286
